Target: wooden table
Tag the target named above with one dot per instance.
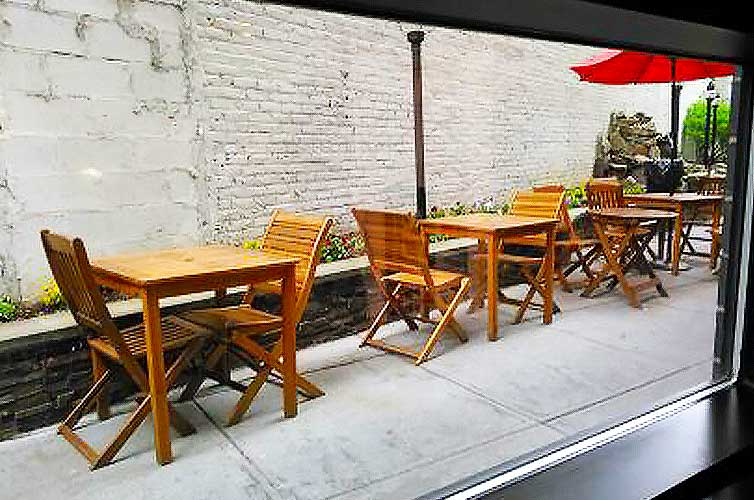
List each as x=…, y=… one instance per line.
x=492, y=228
x=677, y=202
x=167, y=273
x=622, y=249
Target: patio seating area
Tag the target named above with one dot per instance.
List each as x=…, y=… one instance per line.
x=387, y=428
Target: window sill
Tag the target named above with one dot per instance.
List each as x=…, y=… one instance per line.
x=682, y=453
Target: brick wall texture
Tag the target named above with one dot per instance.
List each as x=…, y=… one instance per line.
x=166, y=122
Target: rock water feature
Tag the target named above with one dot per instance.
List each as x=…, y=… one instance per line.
x=630, y=143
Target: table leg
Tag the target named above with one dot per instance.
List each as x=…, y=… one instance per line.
x=492, y=250
x=549, y=272
x=715, y=246
x=289, y=342
x=677, y=238
x=157, y=382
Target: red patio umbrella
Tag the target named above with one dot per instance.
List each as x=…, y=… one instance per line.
x=621, y=67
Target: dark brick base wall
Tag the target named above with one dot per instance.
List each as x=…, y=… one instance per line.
x=42, y=376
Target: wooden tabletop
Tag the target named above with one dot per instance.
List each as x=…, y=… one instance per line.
x=488, y=223
x=633, y=213
x=181, y=265
x=675, y=197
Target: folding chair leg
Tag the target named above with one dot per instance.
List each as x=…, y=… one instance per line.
x=534, y=287
x=424, y=305
x=381, y=315
x=271, y=362
x=182, y=426
x=86, y=402
x=562, y=279
x=429, y=346
x=97, y=460
x=133, y=422
x=456, y=328
x=98, y=370
x=476, y=267
x=189, y=392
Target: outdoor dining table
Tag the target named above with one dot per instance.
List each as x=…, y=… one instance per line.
x=678, y=202
x=492, y=229
x=166, y=273
x=619, y=230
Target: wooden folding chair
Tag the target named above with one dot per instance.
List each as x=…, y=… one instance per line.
x=290, y=234
x=701, y=216
x=544, y=204
x=623, y=248
x=608, y=193
x=399, y=260
x=70, y=267
x=571, y=243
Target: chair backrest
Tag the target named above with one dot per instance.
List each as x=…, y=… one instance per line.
x=566, y=224
x=549, y=188
x=711, y=185
x=301, y=236
x=604, y=193
x=394, y=242
x=546, y=204
x=70, y=267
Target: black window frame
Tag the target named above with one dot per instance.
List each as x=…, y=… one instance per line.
x=601, y=24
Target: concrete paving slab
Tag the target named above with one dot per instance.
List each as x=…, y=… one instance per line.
x=44, y=466
x=673, y=337
x=636, y=401
x=543, y=371
x=444, y=471
x=695, y=297
x=379, y=417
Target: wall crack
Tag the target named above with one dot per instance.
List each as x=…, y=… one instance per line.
x=140, y=31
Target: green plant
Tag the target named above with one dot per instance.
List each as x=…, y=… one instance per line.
x=576, y=196
x=632, y=187
x=50, y=298
x=8, y=309
x=254, y=244
x=694, y=124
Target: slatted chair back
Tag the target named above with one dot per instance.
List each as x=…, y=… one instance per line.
x=301, y=236
x=711, y=185
x=71, y=269
x=394, y=242
x=545, y=204
x=549, y=188
x=566, y=224
x=604, y=193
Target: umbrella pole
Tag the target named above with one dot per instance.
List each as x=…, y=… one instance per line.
x=416, y=38
x=675, y=105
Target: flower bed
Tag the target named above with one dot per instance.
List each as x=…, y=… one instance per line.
x=339, y=245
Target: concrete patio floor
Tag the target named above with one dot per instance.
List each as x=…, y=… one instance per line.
x=388, y=429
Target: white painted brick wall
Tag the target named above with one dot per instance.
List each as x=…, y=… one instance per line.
x=151, y=123
x=312, y=111
x=98, y=129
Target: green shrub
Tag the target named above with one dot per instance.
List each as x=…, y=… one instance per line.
x=693, y=128
x=488, y=205
x=632, y=187
x=340, y=246
x=8, y=309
